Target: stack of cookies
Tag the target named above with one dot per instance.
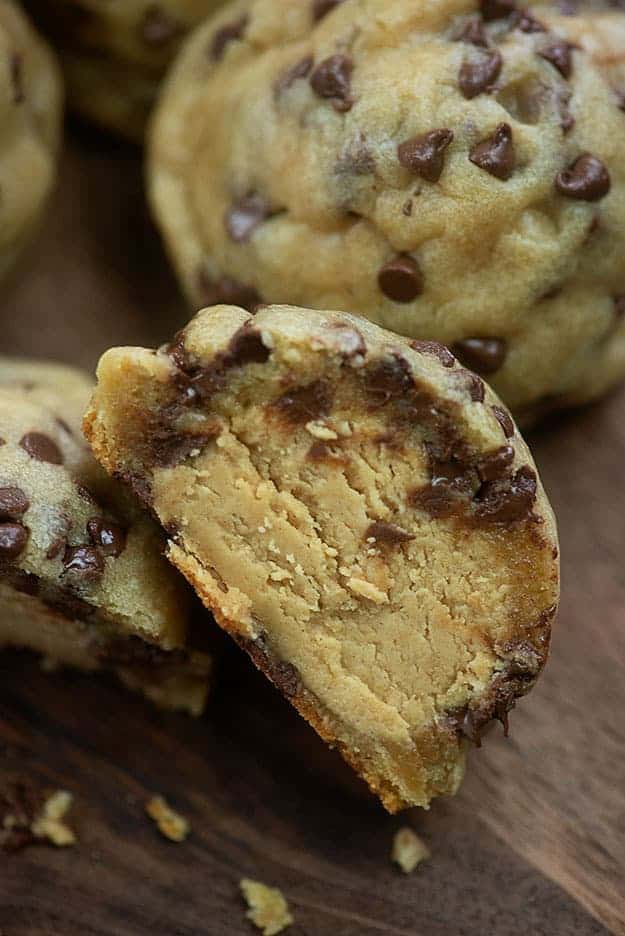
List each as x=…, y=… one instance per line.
x=346, y=491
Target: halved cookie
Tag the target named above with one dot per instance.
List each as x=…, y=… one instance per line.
x=359, y=513
x=82, y=577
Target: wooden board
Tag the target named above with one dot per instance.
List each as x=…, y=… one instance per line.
x=534, y=843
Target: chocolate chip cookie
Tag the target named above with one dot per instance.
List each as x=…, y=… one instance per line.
x=82, y=577
x=452, y=171
x=359, y=512
x=115, y=54
x=30, y=123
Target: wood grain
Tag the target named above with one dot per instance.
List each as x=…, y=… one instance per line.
x=534, y=843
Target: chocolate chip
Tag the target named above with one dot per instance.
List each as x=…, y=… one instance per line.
x=452, y=482
x=567, y=120
x=473, y=384
x=85, y=562
x=495, y=465
x=110, y=538
x=474, y=33
x=507, y=501
x=246, y=347
x=523, y=661
x=321, y=452
x=387, y=534
x=495, y=703
x=527, y=23
x=13, y=539
x=390, y=378
x=620, y=100
x=401, y=279
x=17, y=79
x=495, y=154
x=228, y=291
x=559, y=55
x=438, y=350
x=497, y=9
x=171, y=448
x=199, y=381
x=587, y=179
x=332, y=79
x=245, y=215
x=227, y=34
x=284, y=675
x=479, y=75
x=41, y=447
x=13, y=503
x=303, y=404
x=60, y=526
x=452, y=473
x=619, y=306
x=505, y=420
x=465, y=724
x=57, y=545
x=293, y=73
x=425, y=154
x=482, y=355
x=157, y=28
x=321, y=8
x=407, y=208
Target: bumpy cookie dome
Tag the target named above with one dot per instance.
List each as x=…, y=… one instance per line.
x=30, y=117
x=115, y=54
x=450, y=170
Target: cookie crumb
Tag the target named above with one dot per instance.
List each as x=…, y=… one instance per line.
x=170, y=823
x=408, y=850
x=48, y=824
x=367, y=590
x=268, y=910
x=320, y=431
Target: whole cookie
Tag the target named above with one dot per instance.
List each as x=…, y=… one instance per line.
x=450, y=170
x=82, y=577
x=114, y=54
x=359, y=513
x=30, y=121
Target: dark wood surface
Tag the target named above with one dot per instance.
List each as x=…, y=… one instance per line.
x=535, y=841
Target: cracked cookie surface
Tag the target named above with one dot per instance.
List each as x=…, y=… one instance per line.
x=451, y=171
x=30, y=124
x=359, y=513
x=82, y=577
x=114, y=55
